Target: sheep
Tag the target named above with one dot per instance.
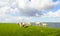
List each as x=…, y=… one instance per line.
x=37, y=23
x=44, y=24
x=20, y=24
x=24, y=24
x=27, y=24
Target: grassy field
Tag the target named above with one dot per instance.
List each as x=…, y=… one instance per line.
x=11, y=29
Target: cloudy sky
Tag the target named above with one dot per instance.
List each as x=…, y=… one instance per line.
x=29, y=10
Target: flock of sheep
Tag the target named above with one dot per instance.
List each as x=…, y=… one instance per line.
x=28, y=24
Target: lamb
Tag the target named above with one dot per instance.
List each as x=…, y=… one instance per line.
x=24, y=24
x=44, y=24
x=37, y=23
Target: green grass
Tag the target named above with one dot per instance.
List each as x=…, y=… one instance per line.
x=12, y=29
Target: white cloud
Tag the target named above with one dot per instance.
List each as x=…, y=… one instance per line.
x=37, y=4
x=8, y=8
x=4, y=2
x=26, y=7
x=52, y=14
x=3, y=10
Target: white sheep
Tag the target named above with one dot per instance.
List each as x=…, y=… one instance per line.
x=44, y=24
x=24, y=24
x=37, y=23
x=27, y=24
x=20, y=24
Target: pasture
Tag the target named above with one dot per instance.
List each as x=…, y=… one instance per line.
x=12, y=29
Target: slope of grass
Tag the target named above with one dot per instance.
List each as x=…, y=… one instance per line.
x=11, y=29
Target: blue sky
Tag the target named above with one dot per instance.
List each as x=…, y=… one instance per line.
x=29, y=10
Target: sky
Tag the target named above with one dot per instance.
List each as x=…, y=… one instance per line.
x=29, y=10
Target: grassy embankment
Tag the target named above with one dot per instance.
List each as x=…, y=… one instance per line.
x=10, y=29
